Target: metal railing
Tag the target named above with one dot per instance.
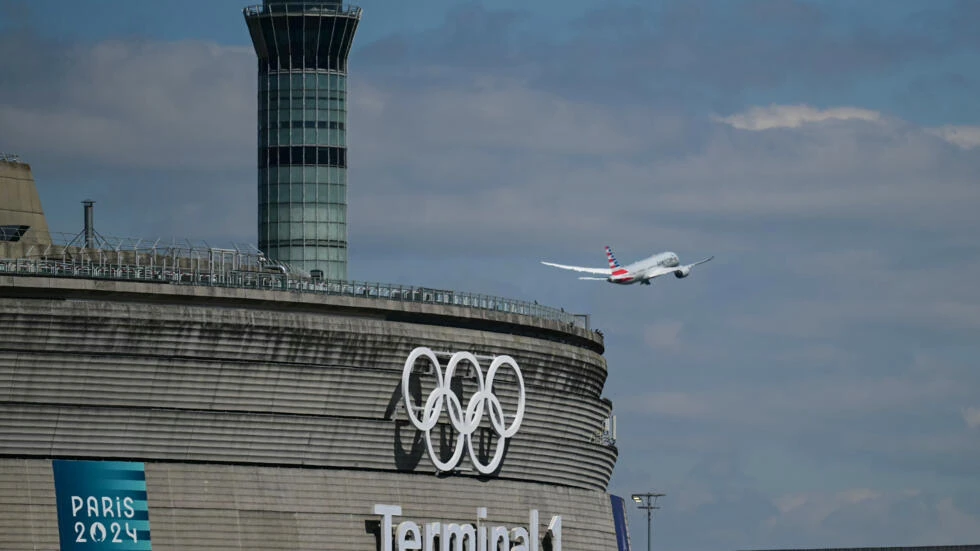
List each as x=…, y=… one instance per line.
x=205, y=270
x=303, y=8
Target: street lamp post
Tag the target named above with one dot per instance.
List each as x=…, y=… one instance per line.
x=650, y=500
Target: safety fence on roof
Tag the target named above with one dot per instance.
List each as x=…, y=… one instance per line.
x=231, y=269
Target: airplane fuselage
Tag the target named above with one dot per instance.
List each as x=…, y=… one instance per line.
x=636, y=272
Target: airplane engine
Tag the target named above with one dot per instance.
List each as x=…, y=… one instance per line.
x=682, y=273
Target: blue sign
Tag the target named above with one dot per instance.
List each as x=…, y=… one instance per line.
x=102, y=506
x=619, y=520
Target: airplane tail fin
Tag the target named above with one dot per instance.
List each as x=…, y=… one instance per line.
x=613, y=263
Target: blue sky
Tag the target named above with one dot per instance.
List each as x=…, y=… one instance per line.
x=814, y=386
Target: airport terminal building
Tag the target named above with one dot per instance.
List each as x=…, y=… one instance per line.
x=264, y=419
x=174, y=399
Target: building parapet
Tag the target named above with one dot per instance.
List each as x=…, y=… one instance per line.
x=213, y=271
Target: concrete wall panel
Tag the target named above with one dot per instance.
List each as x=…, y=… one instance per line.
x=224, y=507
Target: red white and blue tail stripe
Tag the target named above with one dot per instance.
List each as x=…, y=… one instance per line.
x=618, y=272
x=613, y=264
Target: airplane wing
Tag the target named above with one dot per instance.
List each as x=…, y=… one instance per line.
x=661, y=271
x=700, y=262
x=597, y=271
x=595, y=278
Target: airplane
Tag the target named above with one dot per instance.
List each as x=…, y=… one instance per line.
x=640, y=272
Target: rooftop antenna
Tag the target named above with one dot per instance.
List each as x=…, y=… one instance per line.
x=90, y=237
x=89, y=223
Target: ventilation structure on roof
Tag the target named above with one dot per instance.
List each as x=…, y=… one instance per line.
x=12, y=234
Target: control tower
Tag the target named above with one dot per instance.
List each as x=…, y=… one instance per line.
x=302, y=49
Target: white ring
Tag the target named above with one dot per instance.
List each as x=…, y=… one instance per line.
x=465, y=421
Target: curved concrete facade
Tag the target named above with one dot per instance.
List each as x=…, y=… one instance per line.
x=271, y=420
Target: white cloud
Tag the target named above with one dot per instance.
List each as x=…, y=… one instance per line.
x=501, y=145
x=966, y=137
x=972, y=417
x=795, y=116
x=495, y=112
x=485, y=155
x=149, y=105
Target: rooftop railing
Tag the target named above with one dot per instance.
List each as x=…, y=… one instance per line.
x=303, y=8
x=189, y=264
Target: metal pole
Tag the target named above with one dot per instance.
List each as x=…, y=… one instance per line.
x=644, y=502
x=89, y=226
x=649, y=522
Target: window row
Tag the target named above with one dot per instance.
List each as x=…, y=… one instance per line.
x=302, y=155
x=336, y=138
x=302, y=81
x=294, y=213
x=310, y=233
x=306, y=175
x=309, y=100
x=302, y=194
x=273, y=116
x=334, y=125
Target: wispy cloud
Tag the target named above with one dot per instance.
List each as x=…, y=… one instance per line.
x=126, y=103
x=794, y=116
x=967, y=137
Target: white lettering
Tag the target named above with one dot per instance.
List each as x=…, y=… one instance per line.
x=520, y=533
x=116, y=530
x=431, y=533
x=461, y=534
x=107, y=511
x=499, y=535
x=386, y=512
x=401, y=536
x=92, y=506
x=451, y=536
x=80, y=533
x=533, y=526
x=131, y=533
x=102, y=507
x=481, y=537
x=554, y=528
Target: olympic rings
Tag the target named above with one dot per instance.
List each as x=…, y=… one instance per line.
x=464, y=421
